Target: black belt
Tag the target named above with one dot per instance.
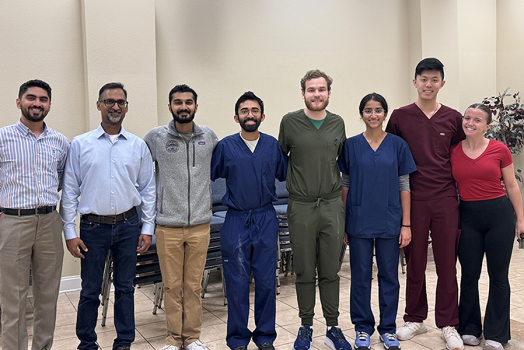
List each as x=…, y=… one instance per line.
x=21, y=212
x=109, y=219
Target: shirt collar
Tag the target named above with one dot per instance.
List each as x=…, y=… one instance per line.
x=24, y=130
x=100, y=131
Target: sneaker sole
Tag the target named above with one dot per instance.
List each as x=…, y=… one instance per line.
x=310, y=344
x=329, y=343
x=391, y=347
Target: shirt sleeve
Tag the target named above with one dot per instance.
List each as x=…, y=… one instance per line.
x=459, y=133
x=403, y=183
x=147, y=190
x=282, y=160
x=149, y=140
x=406, y=164
x=282, y=138
x=217, y=162
x=61, y=164
x=71, y=191
x=505, y=158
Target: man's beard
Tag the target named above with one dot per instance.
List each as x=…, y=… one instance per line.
x=27, y=114
x=183, y=120
x=116, y=119
x=250, y=128
x=314, y=108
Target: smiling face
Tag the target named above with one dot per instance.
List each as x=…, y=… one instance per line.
x=316, y=95
x=249, y=115
x=34, y=104
x=475, y=122
x=112, y=114
x=428, y=83
x=373, y=114
x=183, y=107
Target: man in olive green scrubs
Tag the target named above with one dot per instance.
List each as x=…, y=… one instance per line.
x=314, y=137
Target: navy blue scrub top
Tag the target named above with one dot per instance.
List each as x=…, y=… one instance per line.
x=373, y=208
x=250, y=176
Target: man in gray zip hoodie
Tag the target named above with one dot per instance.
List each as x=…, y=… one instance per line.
x=182, y=154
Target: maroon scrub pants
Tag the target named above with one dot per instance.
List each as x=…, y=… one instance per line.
x=441, y=217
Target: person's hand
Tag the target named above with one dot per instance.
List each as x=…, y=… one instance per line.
x=520, y=229
x=73, y=244
x=405, y=236
x=144, y=241
x=346, y=238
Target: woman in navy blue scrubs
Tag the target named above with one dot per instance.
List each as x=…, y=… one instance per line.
x=376, y=167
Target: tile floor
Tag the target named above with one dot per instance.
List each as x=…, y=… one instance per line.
x=150, y=328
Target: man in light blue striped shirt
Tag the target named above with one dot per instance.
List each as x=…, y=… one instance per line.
x=102, y=169
x=32, y=160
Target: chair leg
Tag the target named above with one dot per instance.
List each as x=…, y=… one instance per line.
x=106, y=286
x=159, y=294
x=205, y=281
x=223, y=286
x=403, y=261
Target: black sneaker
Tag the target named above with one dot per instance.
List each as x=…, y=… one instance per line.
x=335, y=339
x=241, y=347
x=266, y=346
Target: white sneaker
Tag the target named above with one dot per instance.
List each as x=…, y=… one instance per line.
x=492, y=345
x=196, y=345
x=411, y=329
x=452, y=338
x=170, y=347
x=470, y=340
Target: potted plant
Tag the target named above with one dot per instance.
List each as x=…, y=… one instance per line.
x=509, y=126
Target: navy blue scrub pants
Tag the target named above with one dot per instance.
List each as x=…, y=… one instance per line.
x=361, y=260
x=248, y=241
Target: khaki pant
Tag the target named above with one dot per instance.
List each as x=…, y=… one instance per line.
x=182, y=253
x=29, y=241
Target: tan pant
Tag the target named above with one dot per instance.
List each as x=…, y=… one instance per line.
x=36, y=241
x=182, y=253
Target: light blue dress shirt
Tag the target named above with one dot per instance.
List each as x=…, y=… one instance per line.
x=104, y=174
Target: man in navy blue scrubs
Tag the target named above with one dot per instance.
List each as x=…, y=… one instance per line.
x=249, y=161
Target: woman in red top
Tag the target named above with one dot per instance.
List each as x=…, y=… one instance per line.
x=487, y=221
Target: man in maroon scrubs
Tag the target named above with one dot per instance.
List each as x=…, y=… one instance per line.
x=430, y=129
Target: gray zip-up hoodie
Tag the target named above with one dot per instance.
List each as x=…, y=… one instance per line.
x=182, y=171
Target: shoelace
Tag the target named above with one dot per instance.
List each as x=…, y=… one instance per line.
x=362, y=336
x=391, y=337
x=451, y=332
x=304, y=334
x=337, y=333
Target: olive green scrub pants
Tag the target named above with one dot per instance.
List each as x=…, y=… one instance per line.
x=317, y=232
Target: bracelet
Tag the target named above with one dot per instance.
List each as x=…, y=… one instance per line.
x=406, y=225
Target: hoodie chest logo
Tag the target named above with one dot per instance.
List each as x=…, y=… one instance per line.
x=172, y=146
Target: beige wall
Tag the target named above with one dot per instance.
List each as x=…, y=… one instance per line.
x=223, y=48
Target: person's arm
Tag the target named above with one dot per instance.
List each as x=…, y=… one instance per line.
x=147, y=190
x=61, y=165
x=512, y=188
x=69, y=202
x=405, y=231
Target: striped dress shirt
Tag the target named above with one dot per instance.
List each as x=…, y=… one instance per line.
x=31, y=168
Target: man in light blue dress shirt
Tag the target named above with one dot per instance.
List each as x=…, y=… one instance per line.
x=103, y=169
x=32, y=160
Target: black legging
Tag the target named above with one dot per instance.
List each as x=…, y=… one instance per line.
x=487, y=226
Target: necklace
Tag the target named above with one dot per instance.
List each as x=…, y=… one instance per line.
x=435, y=111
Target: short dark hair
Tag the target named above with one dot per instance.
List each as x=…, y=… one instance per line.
x=110, y=86
x=484, y=109
x=429, y=64
x=34, y=83
x=314, y=74
x=373, y=97
x=249, y=96
x=182, y=88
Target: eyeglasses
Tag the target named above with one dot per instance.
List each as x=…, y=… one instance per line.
x=369, y=111
x=244, y=112
x=111, y=103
